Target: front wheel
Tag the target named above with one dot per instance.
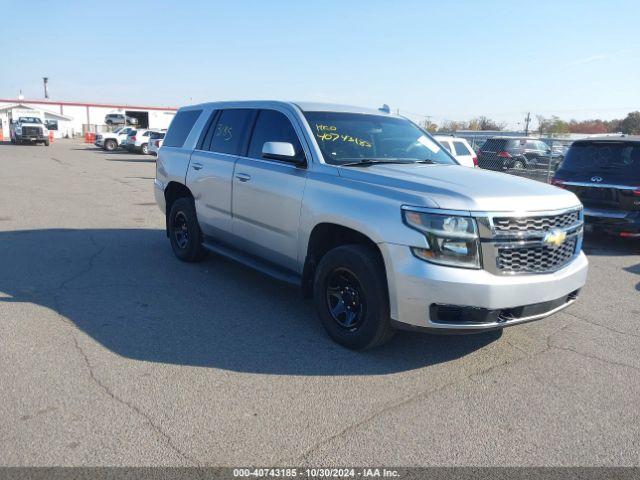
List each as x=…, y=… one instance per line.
x=184, y=231
x=145, y=148
x=351, y=297
x=110, y=145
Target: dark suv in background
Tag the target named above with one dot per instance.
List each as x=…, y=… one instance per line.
x=503, y=153
x=604, y=173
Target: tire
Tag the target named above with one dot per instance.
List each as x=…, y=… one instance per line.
x=519, y=165
x=145, y=148
x=46, y=143
x=353, y=274
x=110, y=145
x=184, y=232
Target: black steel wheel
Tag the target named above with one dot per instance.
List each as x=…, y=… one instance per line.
x=184, y=232
x=345, y=299
x=351, y=297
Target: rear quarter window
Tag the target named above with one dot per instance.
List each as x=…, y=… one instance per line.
x=181, y=127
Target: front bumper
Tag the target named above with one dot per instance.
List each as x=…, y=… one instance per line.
x=32, y=138
x=415, y=286
x=612, y=221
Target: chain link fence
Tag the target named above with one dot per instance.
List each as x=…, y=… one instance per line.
x=535, y=157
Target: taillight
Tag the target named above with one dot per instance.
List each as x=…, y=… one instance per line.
x=475, y=161
x=158, y=143
x=133, y=138
x=636, y=193
x=504, y=154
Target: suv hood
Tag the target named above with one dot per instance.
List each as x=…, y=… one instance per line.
x=456, y=187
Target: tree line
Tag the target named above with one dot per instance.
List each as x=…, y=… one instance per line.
x=553, y=125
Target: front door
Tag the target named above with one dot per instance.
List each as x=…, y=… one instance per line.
x=267, y=194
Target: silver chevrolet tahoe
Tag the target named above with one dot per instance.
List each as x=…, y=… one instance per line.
x=370, y=216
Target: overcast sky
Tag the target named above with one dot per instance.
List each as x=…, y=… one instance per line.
x=449, y=60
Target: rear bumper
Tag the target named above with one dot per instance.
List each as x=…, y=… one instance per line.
x=612, y=221
x=419, y=290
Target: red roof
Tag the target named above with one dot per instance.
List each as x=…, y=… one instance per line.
x=80, y=104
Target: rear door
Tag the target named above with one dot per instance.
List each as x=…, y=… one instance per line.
x=267, y=194
x=211, y=169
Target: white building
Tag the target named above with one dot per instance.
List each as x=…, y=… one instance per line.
x=69, y=119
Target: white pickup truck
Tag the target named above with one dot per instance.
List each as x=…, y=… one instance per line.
x=28, y=130
x=111, y=140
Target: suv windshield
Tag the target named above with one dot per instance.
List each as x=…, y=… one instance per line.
x=621, y=157
x=30, y=120
x=351, y=137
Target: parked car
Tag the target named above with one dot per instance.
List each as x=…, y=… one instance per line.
x=502, y=153
x=137, y=141
x=28, y=130
x=369, y=216
x=155, y=142
x=111, y=140
x=119, y=119
x=459, y=148
x=605, y=175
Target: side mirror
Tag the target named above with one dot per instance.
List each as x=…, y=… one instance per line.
x=283, y=151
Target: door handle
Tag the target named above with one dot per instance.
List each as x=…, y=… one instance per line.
x=196, y=166
x=243, y=177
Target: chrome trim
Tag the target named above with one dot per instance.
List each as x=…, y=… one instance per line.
x=525, y=213
x=531, y=243
x=601, y=185
x=507, y=323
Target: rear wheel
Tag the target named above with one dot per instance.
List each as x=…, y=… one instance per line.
x=184, y=231
x=518, y=165
x=46, y=143
x=145, y=148
x=110, y=145
x=351, y=298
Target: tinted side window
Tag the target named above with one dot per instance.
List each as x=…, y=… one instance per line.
x=180, y=127
x=272, y=126
x=461, y=148
x=230, y=131
x=446, y=146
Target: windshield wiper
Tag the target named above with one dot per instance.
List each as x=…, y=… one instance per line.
x=365, y=162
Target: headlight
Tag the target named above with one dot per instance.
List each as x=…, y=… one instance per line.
x=18, y=130
x=451, y=240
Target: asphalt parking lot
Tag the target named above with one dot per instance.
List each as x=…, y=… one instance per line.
x=115, y=353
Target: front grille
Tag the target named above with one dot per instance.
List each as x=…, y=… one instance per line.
x=31, y=131
x=536, y=259
x=535, y=224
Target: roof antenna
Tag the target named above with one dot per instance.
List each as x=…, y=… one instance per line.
x=385, y=108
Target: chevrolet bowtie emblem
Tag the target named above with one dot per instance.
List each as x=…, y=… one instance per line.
x=555, y=237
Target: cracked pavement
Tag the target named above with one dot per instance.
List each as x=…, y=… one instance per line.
x=115, y=353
